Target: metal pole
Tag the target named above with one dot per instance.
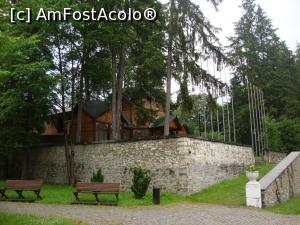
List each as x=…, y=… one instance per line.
x=260, y=121
x=233, y=114
x=257, y=119
x=218, y=124
x=212, y=126
x=228, y=111
x=211, y=120
x=223, y=113
x=205, y=132
x=223, y=117
x=250, y=114
x=264, y=116
x=204, y=111
x=253, y=118
x=211, y=113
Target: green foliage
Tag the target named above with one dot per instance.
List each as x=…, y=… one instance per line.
x=195, y=39
x=284, y=133
x=144, y=115
x=273, y=133
x=252, y=168
x=290, y=133
x=26, y=90
x=97, y=176
x=194, y=118
x=262, y=58
x=140, y=183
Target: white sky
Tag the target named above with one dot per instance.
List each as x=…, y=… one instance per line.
x=285, y=16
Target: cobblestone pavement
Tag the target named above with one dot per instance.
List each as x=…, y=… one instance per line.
x=177, y=214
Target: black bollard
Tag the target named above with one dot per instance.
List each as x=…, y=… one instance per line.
x=156, y=195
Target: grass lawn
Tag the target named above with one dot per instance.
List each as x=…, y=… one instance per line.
x=230, y=192
x=290, y=207
x=63, y=194
x=24, y=219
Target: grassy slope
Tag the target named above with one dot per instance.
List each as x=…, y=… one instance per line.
x=23, y=219
x=290, y=207
x=229, y=192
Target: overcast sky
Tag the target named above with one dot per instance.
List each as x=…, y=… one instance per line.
x=285, y=15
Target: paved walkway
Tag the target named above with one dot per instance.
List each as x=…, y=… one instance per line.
x=177, y=214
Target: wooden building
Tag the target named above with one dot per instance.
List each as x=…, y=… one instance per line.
x=96, y=123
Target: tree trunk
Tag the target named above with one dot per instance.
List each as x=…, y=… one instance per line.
x=114, y=94
x=66, y=138
x=120, y=91
x=169, y=70
x=79, y=105
x=72, y=86
x=24, y=171
x=87, y=89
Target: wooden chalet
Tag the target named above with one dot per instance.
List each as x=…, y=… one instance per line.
x=97, y=119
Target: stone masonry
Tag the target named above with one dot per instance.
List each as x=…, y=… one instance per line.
x=179, y=165
x=273, y=156
x=282, y=182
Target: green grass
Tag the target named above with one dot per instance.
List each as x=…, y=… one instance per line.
x=292, y=206
x=24, y=219
x=259, y=158
x=63, y=194
x=229, y=192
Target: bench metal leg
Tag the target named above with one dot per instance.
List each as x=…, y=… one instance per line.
x=20, y=194
x=117, y=197
x=96, y=196
x=3, y=195
x=39, y=197
x=76, y=196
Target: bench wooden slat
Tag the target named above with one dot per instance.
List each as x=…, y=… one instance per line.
x=97, y=188
x=23, y=184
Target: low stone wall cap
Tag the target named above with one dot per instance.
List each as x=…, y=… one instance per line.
x=277, y=170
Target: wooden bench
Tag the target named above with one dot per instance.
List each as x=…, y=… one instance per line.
x=96, y=189
x=22, y=185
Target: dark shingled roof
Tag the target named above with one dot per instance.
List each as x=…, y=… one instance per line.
x=160, y=122
x=95, y=108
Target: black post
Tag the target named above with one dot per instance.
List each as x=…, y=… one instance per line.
x=156, y=195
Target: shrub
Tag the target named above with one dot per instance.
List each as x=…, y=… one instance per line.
x=252, y=168
x=97, y=177
x=140, y=183
x=283, y=133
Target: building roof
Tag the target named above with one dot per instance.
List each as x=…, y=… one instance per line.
x=96, y=108
x=160, y=122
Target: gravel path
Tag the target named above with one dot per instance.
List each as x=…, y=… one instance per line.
x=177, y=214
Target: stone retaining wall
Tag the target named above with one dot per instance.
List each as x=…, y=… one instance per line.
x=179, y=165
x=282, y=182
x=273, y=156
